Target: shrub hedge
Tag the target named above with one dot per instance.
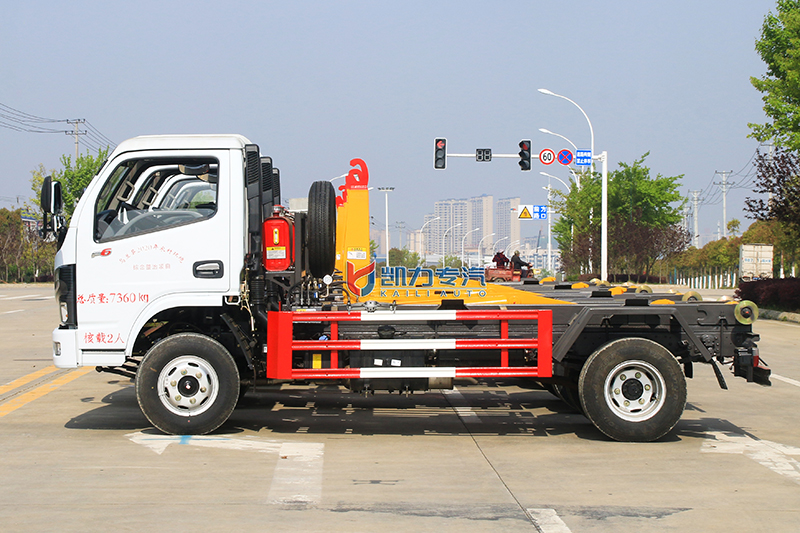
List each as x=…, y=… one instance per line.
x=779, y=294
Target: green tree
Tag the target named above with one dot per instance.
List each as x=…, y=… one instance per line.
x=404, y=258
x=10, y=240
x=74, y=178
x=452, y=261
x=643, y=213
x=778, y=176
x=733, y=226
x=779, y=48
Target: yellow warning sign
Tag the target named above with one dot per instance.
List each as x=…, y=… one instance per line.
x=524, y=212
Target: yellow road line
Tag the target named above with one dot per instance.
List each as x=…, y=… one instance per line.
x=38, y=392
x=19, y=382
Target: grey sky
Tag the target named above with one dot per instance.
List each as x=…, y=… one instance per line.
x=316, y=84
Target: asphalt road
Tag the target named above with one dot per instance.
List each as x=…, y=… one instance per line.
x=76, y=454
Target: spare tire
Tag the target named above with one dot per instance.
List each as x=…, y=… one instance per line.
x=321, y=229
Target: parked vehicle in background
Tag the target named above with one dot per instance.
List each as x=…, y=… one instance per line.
x=755, y=261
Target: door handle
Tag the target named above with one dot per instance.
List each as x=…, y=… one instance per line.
x=208, y=269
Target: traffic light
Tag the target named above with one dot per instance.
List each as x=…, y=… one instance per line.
x=525, y=154
x=440, y=154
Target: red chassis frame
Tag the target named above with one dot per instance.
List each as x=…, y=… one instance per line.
x=281, y=344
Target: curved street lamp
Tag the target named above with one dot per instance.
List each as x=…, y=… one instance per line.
x=574, y=174
x=387, y=190
x=604, y=195
x=549, y=220
x=510, y=245
x=422, y=235
x=591, y=130
x=464, y=238
x=494, y=246
x=479, y=246
x=444, y=240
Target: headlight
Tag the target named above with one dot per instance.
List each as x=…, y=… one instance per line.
x=64, y=309
x=66, y=296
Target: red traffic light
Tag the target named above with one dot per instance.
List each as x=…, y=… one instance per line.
x=525, y=154
x=440, y=154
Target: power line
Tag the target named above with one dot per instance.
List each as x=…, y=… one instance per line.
x=27, y=116
x=16, y=120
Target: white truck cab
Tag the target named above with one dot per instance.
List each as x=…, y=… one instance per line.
x=156, y=229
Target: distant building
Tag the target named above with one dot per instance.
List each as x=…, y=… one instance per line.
x=506, y=224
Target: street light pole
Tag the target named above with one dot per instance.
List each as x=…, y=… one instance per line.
x=604, y=220
x=591, y=130
x=577, y=179
x=494, y=246
x=549, y=219
x=604, y=195
x=464, y=238
x=444, y=240
x=479, y=246
x=510, y=245
x=422, y=234
x=387, y=190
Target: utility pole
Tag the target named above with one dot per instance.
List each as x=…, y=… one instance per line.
x=401, y=226
x=724, y=186
x=77, y=132
x=686, y=212
x=696, y=217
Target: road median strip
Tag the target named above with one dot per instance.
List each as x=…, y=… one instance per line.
x=24, y=399
x=19, y=382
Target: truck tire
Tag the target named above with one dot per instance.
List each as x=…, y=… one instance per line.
x=569, y=395
x=321, y=229
x=633, y=390
x=187, y=384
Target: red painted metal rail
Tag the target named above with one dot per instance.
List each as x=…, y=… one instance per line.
x=281, y=344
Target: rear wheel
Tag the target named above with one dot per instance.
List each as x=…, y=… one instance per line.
x=633, y=390
x=321, y=229
x=187, y=384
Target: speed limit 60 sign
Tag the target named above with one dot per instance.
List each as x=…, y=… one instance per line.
x=547, y=156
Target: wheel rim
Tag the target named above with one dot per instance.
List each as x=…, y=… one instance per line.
x=635, y=390
x=188, y=385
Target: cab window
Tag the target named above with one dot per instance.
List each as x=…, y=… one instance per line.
x=153, y=194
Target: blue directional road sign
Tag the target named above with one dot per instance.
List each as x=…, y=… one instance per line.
x=539, y=212
x=583, y=158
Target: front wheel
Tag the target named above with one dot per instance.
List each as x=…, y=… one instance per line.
x=187, y=384
x=633, y=390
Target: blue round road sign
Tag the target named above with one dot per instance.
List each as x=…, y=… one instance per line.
x=565, y=157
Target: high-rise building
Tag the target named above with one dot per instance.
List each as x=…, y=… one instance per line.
x=481, y=216
x=506, y=224
x=454, y=217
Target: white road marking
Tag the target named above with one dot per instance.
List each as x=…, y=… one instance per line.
x=548, y=521
x=159, y=443
x=790, y=381
x=14, y=311
x=770, y=454
x=20, y=297
x=298, y=473
x=464, y=412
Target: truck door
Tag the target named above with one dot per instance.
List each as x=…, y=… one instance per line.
x=157, y=227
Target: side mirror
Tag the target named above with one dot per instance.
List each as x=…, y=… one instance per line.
x=51, y=202
x=51, y=199
x=44, y=199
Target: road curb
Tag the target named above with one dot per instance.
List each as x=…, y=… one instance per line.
x=769, y=314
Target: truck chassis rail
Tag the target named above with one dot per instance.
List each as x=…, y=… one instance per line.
x=281, y=344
